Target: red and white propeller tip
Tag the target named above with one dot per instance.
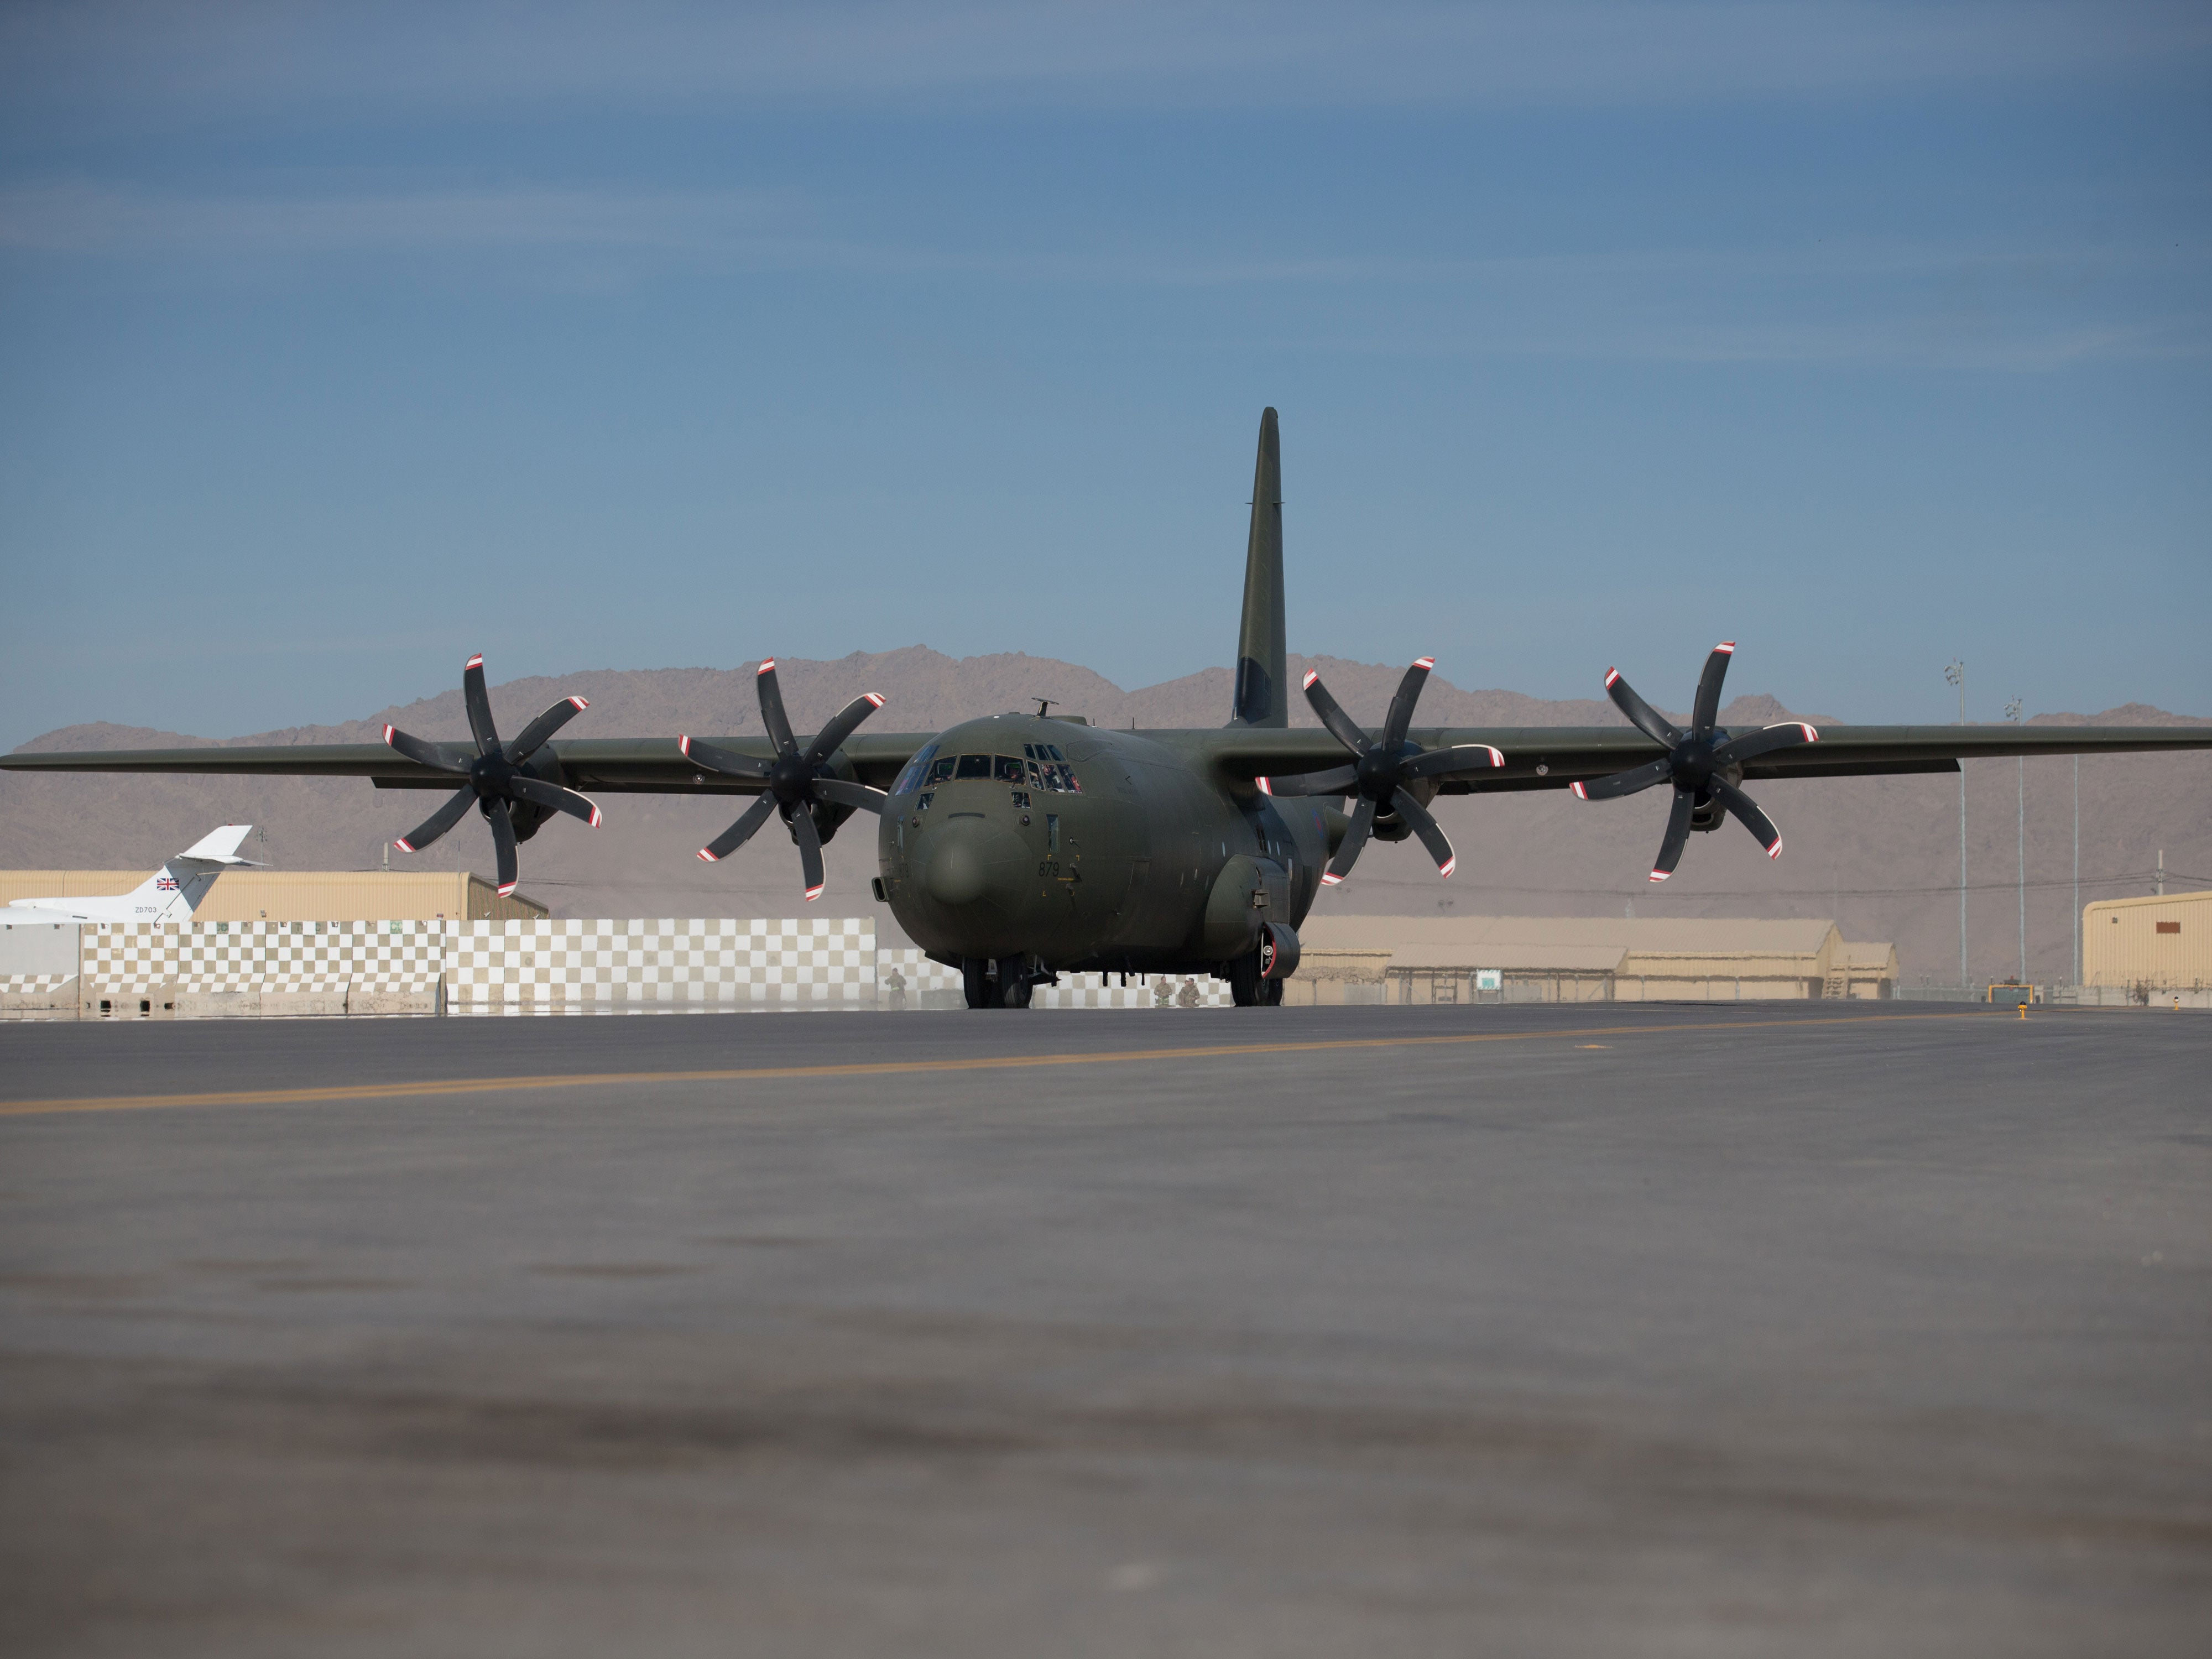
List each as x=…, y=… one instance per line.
x=1611, y=675
x=1661, y=875
x=812, y=894
x=1448, y=866
x=708, y=853
x=475, y=661
x=1726, y=646
x=505, y=888
x=768, y=666
x=875, y=699
x=579, y=704
x=1424, y=662
x=405, y=845
x=1330, y=878
x=1312, y=674
x=1580, y=793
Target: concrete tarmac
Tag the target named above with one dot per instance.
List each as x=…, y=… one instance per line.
x=1613, y=1329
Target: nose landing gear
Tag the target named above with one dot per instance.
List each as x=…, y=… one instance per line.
x=1004, y=983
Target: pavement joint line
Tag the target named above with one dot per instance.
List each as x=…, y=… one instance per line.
x=444, y=1086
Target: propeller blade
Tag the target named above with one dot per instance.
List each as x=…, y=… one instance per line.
x=1624, y=783
x=810, y=851
x=858, y=796
x=479, y=703
x=1462, y=757
x=1764, y=741
x=1355, y=837
x=1641, y=714
x=421, y=753
x=740, y=832
x=723, y=760
x=1401, y=705
x=1678, y=835
x=556, y=799
x=1708, y=708
x=438, y=823
x=1341, y=726
x=1430, y=832
x=771, y=706
x=503, y=842
x=831, y=738
x=1337, y=781
x=535, y=734
x=1745, y=812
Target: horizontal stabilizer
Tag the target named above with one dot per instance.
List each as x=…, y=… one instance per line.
x=220, y=846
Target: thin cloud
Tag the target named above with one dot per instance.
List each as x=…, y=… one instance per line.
x=1232, y=54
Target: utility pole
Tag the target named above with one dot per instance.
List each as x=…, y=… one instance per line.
x=2012, y=713
x=1956, y=673
x=2161, y=873
x=2077, y=869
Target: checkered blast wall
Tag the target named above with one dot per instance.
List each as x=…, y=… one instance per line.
x=694, y=963
x=541, y=966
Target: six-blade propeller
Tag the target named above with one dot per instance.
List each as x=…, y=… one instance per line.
x=1706, y=764
x=1381, y=770
x=797, y=780
x=496, y=778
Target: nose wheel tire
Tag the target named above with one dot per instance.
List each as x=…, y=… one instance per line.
x=976, y=981
x=1014, y=987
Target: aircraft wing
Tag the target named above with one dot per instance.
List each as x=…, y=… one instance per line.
x=1554, y=756
x=606, y=765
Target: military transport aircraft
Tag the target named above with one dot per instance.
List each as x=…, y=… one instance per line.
x=1021, y=846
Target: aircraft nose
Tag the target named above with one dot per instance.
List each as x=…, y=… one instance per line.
x=972, y=862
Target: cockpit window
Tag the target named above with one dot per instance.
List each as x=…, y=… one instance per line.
x=1048, y=769
x=916, y=769
x=973, y=766
x=1006, y=770
x=941, y=769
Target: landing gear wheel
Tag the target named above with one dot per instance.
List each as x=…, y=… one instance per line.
x=1271, y=994
x=975, y=980
x=1014, y=987
x=1246, y=988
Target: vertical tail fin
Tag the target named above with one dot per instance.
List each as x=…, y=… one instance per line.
x=1262, y=697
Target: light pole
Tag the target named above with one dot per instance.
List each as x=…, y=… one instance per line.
x=2077, y=869
x=1956, y=673
x=2012, y=713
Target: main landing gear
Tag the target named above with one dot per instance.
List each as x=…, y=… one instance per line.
x=1248, y=985
x=1004, y=983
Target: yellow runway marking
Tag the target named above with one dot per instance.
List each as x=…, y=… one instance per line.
x=495, y=1085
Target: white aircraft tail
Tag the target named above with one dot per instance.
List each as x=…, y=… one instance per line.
x=172, y=893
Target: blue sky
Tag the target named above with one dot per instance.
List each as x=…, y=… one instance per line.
x=336, y=342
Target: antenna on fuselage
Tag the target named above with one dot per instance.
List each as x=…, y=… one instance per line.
x=1044, y=705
